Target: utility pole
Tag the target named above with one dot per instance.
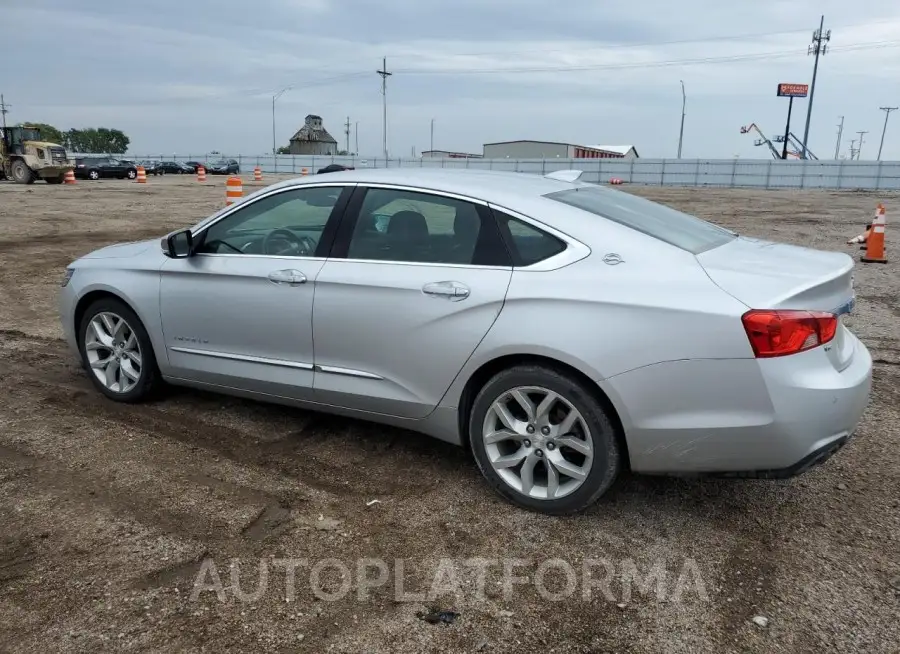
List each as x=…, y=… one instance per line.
x=816, y=48
x=859, y=149
x=852, y=149
x=683, y=103
x=887, y=113
x=384, y=75
x=274, y=98
x=432, y=135
x=356, y=134
x=347, y=132
x=4, y=109
x=837, y=147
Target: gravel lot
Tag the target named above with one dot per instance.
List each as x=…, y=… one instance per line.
x=108, y=512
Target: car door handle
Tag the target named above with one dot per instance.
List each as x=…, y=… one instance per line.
x=453, y=291
x=288, y=276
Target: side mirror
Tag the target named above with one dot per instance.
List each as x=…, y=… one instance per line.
x=178, y=245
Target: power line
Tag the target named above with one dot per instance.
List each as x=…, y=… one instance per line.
x=639, y=65
x=887, y=113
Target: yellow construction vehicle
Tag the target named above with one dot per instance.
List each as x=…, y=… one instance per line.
x=24, y=157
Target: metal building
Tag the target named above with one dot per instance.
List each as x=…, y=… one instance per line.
x=551, y=150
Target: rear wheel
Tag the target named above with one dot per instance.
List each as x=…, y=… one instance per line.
x=21, y=173
x=543, y=441
x=116, y=352
x=94, y=174
x=132, y=174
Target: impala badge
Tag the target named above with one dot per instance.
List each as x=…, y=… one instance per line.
x=612, y=259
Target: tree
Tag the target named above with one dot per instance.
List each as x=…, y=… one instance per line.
x=93, y=140
x=284, y=149
x=48, y=132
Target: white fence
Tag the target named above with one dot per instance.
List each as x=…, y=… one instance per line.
x=756, y=173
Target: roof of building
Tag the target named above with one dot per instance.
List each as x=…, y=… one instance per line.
x=618, y=149
x=310, y=133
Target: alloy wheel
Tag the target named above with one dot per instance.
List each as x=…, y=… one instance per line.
x=538, y=442
x=113, y=352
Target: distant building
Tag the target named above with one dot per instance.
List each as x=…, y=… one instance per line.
x=444, y=154
x=313, y=138
x=552, y=150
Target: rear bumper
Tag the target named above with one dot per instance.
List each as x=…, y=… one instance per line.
x=808, y=462
x=744, y=417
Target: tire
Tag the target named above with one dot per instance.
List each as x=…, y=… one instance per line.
x=54, y=180
x=592, y=444
x=94, y=175
x=131, y=174
x=148, y=379
x=21, y=173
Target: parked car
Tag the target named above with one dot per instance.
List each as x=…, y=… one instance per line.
x=193, y=165
x=103, y=167
x=175, y=168
x=562, y=331
x=224, y=167
x=152, y=167
x=333, y=168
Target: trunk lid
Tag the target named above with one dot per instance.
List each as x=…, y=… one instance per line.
x=767, y=275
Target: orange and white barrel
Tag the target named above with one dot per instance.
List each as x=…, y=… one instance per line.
x=201, y=174
x=257, y=174
x=304, y=172
x=69, y=177
x=234, y=190
x=141, y=175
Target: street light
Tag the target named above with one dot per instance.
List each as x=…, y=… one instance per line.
x=683, y=103
x=432, y=136
x=274, y=98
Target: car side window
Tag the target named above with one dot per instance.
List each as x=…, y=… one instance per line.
x=418, y=227
x=290, y=223
x=527, y=243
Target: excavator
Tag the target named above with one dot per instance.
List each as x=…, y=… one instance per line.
x=796, y=150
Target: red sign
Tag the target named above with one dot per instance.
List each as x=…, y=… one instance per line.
x=793, y=90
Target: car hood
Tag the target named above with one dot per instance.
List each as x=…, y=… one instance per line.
x=122, y=250
x=767, y=275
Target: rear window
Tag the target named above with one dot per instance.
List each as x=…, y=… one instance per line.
x=659, y=221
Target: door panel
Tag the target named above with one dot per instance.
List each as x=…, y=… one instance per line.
x=385, y=345
x=226, y=322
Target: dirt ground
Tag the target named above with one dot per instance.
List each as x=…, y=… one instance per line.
x=110, y=513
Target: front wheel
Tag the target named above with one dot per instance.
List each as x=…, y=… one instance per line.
x=21, y=173
x=543, y=441
x=116, y=352
x=131, y=174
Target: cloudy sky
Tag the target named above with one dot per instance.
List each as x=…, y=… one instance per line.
x=189, y=77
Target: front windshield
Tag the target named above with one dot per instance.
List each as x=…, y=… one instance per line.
x=31, y=135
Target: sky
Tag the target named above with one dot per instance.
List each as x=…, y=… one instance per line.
x=193, y=77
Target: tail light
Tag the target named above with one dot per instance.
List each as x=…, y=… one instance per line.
x=778, y=333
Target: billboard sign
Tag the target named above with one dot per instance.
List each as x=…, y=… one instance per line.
x=792, y=90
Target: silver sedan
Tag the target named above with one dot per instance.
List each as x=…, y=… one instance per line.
x=560, y=330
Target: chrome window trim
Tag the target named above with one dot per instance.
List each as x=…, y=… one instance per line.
x=244, y=357
x=575, y=249
x=430, y=264
x=423, y=190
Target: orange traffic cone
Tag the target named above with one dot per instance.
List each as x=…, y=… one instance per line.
x=141, y=175
x=875, y=243
x=69, y=177
x=201, y=174
x=257, y=174
x=304, y=172
x=234, y=190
